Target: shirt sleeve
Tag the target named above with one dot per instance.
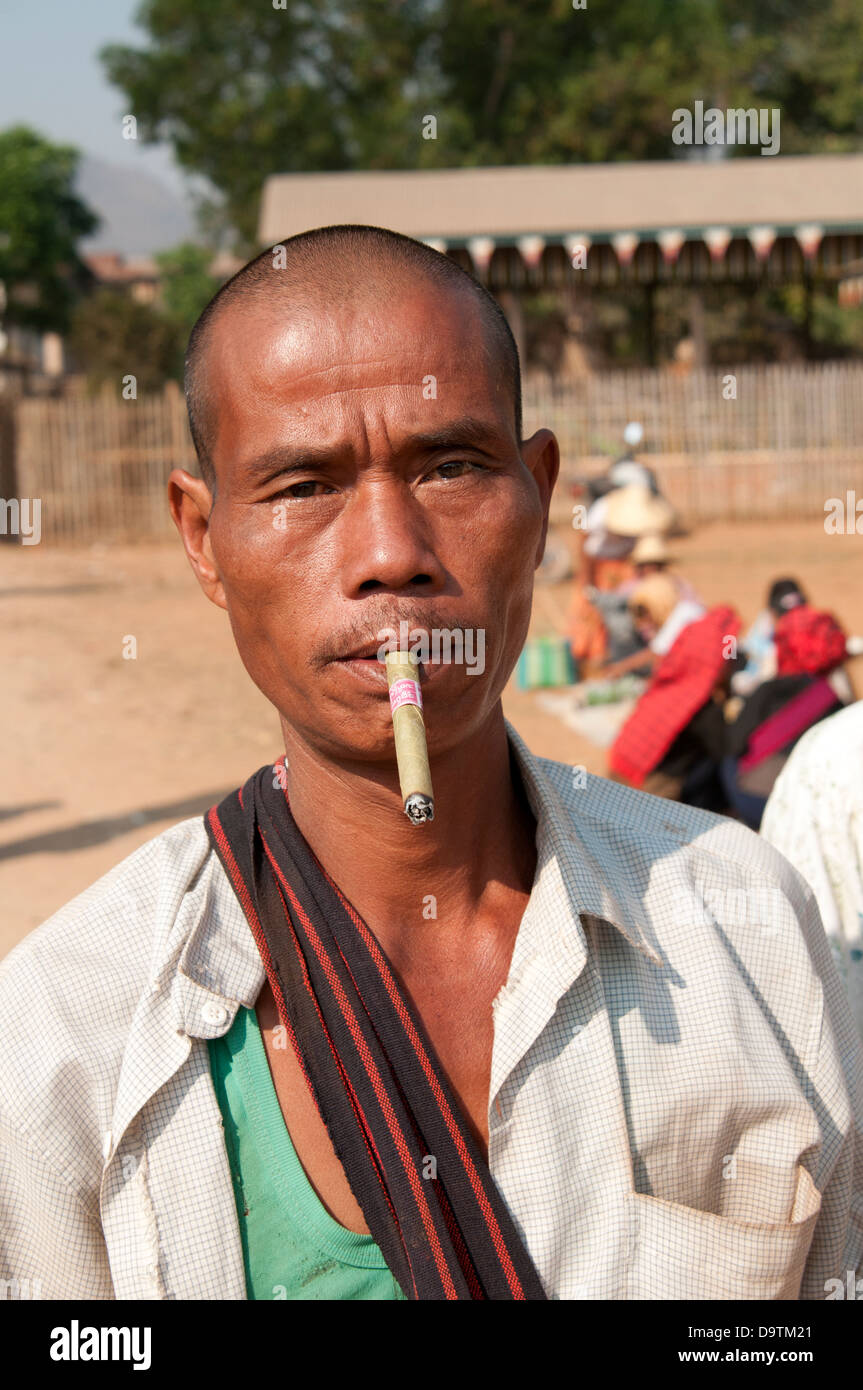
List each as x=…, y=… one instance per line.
x=50, y=1246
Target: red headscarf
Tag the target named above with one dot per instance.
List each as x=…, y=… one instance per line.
x=809, y=642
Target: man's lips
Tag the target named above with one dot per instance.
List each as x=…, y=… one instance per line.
x=372, y=671
x=368, y=652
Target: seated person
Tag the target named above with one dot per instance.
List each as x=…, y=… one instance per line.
x=808, y=640
x=659, y=615
x=600, y=625
x=790, y=616
x=673, y=742
x=809, y=647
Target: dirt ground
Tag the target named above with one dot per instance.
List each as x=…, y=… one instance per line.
x=102, y=753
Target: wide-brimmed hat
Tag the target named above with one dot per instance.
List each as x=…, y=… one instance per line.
x=635, y=511
x=650, y=550
x=657, y=596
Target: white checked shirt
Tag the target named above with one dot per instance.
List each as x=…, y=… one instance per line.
x=675, y=1071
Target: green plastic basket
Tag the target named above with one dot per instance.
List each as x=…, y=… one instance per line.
x=545, y=662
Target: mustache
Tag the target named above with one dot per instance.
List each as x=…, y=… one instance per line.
x=370, y=626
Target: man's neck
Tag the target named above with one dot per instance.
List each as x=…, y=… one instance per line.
x=471, y=867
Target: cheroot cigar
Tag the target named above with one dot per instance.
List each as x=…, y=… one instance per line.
x=411, y=751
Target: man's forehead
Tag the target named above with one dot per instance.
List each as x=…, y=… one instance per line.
x=420, y=357
x=293, y=333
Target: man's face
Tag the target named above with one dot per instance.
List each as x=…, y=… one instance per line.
x=368, y=475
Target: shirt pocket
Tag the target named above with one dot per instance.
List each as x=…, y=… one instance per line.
x=676, y=1252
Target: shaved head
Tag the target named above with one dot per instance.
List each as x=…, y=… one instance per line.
x=302, y=277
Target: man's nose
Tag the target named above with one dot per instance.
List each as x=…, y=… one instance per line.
x=386, y=541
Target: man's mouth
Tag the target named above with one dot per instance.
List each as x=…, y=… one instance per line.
x=364, y=663
x=367, y=653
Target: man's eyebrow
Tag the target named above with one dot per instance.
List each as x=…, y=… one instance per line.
x=456, y=434
x=288, y=459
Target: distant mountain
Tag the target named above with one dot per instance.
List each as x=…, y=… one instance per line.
x=139, y=213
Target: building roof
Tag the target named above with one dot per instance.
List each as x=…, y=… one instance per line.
x=600, y=200
x=109, y=267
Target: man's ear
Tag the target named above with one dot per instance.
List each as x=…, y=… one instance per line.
x=191, y=502
x=541, y=455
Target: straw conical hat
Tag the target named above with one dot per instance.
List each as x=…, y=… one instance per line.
x=634, y=511
x=658, y=595
x=650, y=550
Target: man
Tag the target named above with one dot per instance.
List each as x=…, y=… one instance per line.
x=553, y=1043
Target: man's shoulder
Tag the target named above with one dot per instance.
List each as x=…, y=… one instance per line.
x=707, y=896
x=117, y=917
x=629, y=829
x=69, y=990
x=586, y=795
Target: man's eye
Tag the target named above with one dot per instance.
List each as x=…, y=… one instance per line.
x=456, y=468
x=301, y=490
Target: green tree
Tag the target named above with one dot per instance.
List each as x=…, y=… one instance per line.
x=186, y=283
x=41, y=221
x=243, y=91
x=113, y=336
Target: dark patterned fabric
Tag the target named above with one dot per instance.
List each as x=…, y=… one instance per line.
x=410, y=1159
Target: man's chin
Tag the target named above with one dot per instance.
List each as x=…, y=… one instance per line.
x=355, y=721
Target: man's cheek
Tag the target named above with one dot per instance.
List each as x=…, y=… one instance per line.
x=510, y=555
x=512, y=525
x=501, y=530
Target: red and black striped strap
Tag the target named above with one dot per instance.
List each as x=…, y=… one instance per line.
x=424, y=1188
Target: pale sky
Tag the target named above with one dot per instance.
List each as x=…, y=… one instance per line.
x=51, y=79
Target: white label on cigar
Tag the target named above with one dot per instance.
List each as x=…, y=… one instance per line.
x=405, y=692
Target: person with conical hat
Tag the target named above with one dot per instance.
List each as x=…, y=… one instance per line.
x=599, y=627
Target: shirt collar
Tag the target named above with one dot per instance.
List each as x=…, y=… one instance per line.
x=219, y=968
x=580, y=850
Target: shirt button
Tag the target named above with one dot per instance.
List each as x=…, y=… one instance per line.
x=214, y=1013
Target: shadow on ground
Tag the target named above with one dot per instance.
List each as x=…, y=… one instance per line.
x=98, y=832
x=7, y=812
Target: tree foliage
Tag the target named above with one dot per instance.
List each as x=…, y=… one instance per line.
x=41, y=221
x=246, y=90
x=186, y=283
x=113, y=336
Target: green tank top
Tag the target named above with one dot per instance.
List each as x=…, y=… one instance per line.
x=292, y=1247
